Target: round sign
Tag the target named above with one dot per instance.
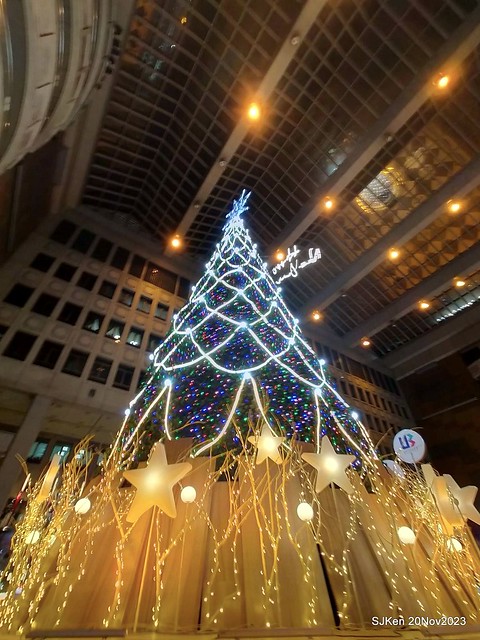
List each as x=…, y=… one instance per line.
x=409, y=446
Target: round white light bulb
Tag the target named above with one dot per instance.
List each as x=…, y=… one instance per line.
x=305, y=511
x=188, y=494
x=127, y=412
x=32, y=537
x=82, y=506
x=322, y=362
x=406, y=535
x=454, y=545
x=354, y=415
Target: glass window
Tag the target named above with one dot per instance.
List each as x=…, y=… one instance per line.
x=45, y=304
x=161, y=312
x=70, y=313
x=161, y=277
x=183, y=288
x=63, y=232
x=93, y=321
x=42, y=262
x=119, y=258
x=19, y=295
x=102, y=250
x=62, y=449
x=83, y=241
x=135, y=337
x=107, y=289
x=123, y=377
x=136, y=268
x=100, y=370
x=86, y=280
x=20, y=345
x=153, y=342
x=75, y=362
x=126, y=297
x=48, y=354
x=343, y=387
x=37, y=451
x=144, y=304
x=65, y=271
x=369, y=397
x=115, y=329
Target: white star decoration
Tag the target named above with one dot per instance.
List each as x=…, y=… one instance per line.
x=330, y=466
x=465, y=498
x=267, y=445
x=154, y=484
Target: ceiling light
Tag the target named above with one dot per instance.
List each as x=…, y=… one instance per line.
x=454, y=206
x=253, y=111
x=423, y=304
x=460, y=283
x=183, y=20
x=279, y=255
x=442, y=81
x=176, y=242
x=393, y=254
x=366, y=342
x=316, y=315
x=328, y=203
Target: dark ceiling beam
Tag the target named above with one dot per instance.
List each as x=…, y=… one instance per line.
x=448, y=337
x=433, y=285
x=447, y=60
x=275, y=72
x=461, y=184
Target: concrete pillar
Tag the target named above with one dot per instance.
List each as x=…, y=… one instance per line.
x=21, y=444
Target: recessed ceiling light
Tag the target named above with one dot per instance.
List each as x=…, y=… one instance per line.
x=366, y=342
x=423, y=304
x=454, y=206
x=442, y=81
x=176, y=242
x=183, y=20
x=253, y=112
x=328, y=203
x=316, y=315
x=459, y=282
x=393, y=254
x=279, y=255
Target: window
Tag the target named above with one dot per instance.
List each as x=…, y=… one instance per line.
x=161, y=312
x=19, y=295
x=369, y=397
x=65, y=271
x=161, y=277
x=153, y=342
x=107, y=289
x=20, y=345
x=100, y=370
x=136, y=268
x=63, y=232
x=37, y=451
x=135, y=337
x=144, y=304
x=119, y=258
x=93, y=322
x=75, y=363
x=45, y=304
x=69, y=314
x=126, y=297
x=42, y=262
x=86, y=280
x=48, y=355
x=83, y=241
x=115, y=329
x=62, y=449
x=123, y=377
x=102, y=250
x=343, y=387
x=183, y=288
x=142, y=379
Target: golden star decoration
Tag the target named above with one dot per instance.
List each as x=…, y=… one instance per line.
x=154, y=484
x=267, y=445
x=49, y=479
x=330, y=466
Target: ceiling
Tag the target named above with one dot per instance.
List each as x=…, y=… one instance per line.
x=351, y=110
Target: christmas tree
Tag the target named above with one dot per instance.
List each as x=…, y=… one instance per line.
x=237, y=473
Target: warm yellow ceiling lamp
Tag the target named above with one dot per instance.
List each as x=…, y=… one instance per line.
x=253, y=111
x=279, y=255
x=328, y=203
x=442, y=81
x=460, y=282
x=393, y=254
x=454, y=206
x=366, y=342
x=316, y=315
x=176, y=242
x=424, y=305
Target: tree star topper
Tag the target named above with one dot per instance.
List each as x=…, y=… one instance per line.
x=330, y=466
x=267, y=445
x=154, y=484
x=239, y=206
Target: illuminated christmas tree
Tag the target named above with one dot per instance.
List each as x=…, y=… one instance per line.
x=238, y=473
x=234, y=351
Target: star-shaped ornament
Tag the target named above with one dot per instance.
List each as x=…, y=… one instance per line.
x=154, y=484
x=49, y=479
x=330, y=466
x=465, y=498
x=267, y=445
